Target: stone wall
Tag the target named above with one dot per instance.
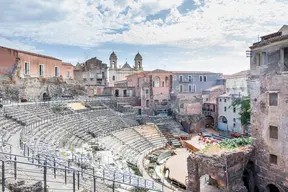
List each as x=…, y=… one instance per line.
x=226, y=169
x=263, y=116
x=34, y=88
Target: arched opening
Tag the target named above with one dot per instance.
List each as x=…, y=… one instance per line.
x=156, y=82
x=166, y=81
x=113, y=77
x=271, y=188
x=46, y=97
x=209, y=121
x=223, y=123
x=116, y=93
x=248, y=177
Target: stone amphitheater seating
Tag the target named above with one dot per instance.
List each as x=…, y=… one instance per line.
x=46, y=136
x=131, y=142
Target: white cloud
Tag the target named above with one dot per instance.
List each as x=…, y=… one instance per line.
x=230, y=25
x=88, y=23
x=18, y=45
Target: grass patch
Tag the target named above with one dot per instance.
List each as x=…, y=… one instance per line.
x=227, y=145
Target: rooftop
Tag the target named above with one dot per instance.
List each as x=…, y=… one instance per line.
x=30, y=53
x=238, y=75
x=195, y=72
x=281, y=35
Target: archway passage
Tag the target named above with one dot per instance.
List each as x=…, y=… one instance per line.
x=209, y=121
x=46, y=97
x=271, y=188
x=249, y=178
x=116, y=93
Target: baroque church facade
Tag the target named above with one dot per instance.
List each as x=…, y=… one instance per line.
x=120, y=73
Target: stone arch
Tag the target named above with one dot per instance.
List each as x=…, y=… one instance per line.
x=272, y=188
x=209, y=121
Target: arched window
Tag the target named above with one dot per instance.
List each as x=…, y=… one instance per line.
x=223, y=119
x=190, y=88
x=200, y=78
x=166, y=81
x=180, y=78
x=181, y=88
x=156, y=82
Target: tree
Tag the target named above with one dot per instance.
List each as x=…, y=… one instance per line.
x=245, y=110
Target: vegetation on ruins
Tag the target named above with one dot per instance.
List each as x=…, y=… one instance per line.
x=234, y=143
x=245, y=109
x=226, y=145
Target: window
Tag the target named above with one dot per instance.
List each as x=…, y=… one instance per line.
x=56, y=72
x=189, y=78
x=205, y=78
x=220, y=100
x=113, y=78
x=258, y=59
x=200, y=78
x=190, y=88
x=147, y=91
x=67, y=75
x=156, y=82
x=225, y=100
x=163, y=83
x=273, y=132
x=180, y=78
x=234, y=125
x=27, y=68
x=234, y=109
x=273, y=99
x=225, y=108
x=181, y=88
x=194, y=88
x=207, y=99
x=234, y=119
x=41, y=70
x=273, y=159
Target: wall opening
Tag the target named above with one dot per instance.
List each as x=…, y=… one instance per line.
x=209, y=121
x=271, y=188
x=116, y=93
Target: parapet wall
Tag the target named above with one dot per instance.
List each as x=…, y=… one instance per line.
x=226, y=169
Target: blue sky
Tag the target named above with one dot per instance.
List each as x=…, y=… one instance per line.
x=210, y=35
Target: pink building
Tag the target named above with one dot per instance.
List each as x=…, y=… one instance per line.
x=153, y=88
x=33, y=65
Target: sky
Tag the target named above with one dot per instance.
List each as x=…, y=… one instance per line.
x=194, y=35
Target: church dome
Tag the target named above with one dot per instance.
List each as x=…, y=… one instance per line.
x=138, y=56
x=113, y=55
x=126, y=65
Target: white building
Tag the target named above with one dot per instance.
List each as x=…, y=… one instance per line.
x=120, y=73
x=228, y=115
